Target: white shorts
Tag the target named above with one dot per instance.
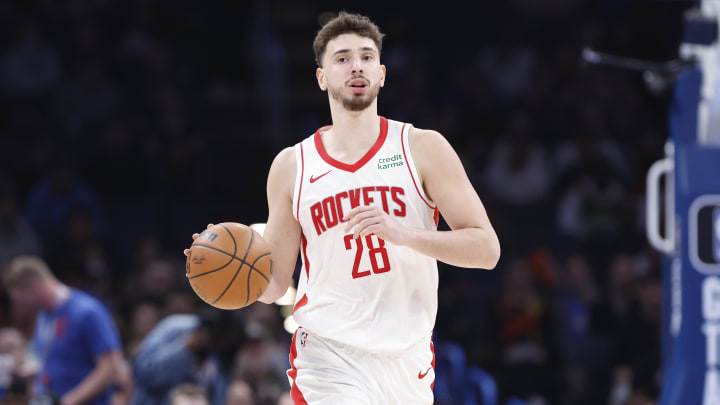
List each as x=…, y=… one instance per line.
x=325, y=372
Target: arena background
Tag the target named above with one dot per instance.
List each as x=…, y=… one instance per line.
x=127, y=126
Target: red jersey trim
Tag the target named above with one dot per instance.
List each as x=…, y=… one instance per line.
x=360, y=163
x=302, y=173
x=304, y=300
x=295, y=393
x=402, y=142
x=307, y=261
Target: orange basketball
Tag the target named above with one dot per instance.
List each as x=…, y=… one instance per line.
x=229, y=265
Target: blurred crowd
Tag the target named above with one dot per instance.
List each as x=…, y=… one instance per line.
x=128, y=126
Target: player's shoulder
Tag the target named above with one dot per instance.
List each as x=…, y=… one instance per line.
x=284, y=163
x=425, y=140
x=283, y=170
x=428, y=147
x=421, y=133
x=285, y=158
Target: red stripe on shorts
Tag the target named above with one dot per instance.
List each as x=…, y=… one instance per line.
x=432, y=349
x=295, y=393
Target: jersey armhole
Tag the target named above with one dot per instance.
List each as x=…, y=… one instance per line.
x=299, y=173
x=405, y=141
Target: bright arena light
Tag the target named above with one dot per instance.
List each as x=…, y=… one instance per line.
x=259, y=228
x=288, y=298
x=290, y=324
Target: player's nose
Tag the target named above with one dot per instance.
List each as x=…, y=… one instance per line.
x=357, y=65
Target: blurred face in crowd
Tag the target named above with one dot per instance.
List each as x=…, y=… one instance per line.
x=33, y=295
x=351, y=71
x=286, y=399
x=239, y=393
x=651, y=300
x=621, y=270
x=12, y=343
x=158, y=278
x=144, y=318
x=579, y=273
x=179, y=303
x=189, y=400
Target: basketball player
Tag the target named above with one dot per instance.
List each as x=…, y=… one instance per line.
x=362, y=198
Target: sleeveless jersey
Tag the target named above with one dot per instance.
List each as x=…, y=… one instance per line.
x=363, y=292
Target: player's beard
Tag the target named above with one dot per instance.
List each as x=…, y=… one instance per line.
x=356, y=101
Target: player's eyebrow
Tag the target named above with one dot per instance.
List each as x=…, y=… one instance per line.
x=364, y=48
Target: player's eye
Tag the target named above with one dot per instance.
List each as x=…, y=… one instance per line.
x=367, y=57
x=342, y=59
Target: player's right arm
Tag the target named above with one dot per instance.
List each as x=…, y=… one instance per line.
x=282, y=231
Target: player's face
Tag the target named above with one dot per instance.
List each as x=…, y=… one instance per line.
x=351, y=71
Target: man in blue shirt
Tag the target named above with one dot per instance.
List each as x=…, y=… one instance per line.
x=75, y=339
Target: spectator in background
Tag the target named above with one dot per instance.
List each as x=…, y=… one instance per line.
x=584, y=350
x=636, y=376
x=29, y=68
x=596, y=202
x=16, y=235
x=509, y=66
x=158, y=279
x=186, y=347
x=78, y=256
x=618, y=301
x=523, y=321
x=181, y=302
x=518, y=177
x=239, y=393
x=75, y=340
x=262, y=361
x=188, y=394
x=64, y=211
x=286, y=399
x=518, y=171
x=16, y=367
x=144, y=317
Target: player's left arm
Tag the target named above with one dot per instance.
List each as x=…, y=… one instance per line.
x=471, y=242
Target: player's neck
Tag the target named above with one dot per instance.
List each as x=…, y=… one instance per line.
x=354, y=127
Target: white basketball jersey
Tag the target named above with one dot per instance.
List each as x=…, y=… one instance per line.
x=363, y=292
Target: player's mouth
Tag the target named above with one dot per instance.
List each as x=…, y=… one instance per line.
x=359, y=85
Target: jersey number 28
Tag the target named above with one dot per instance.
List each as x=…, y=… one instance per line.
x=374, y=252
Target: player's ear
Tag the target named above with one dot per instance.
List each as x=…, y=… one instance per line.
x=382, y=79
x=320, y=75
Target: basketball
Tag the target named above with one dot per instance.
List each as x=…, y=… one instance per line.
x=229, y=265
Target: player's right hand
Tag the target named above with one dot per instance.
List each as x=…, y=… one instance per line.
x=195, y=236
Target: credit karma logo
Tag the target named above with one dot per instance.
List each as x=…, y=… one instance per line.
x=390, y=162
